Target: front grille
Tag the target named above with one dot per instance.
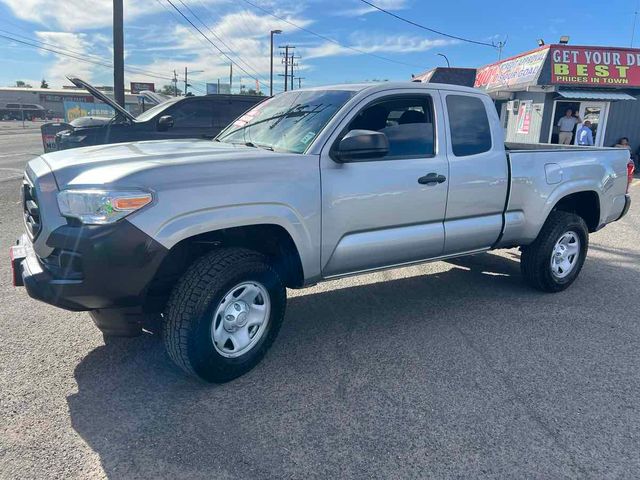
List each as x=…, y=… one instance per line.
x=31, y=209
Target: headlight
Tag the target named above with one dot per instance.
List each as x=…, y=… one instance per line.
x=99, y=207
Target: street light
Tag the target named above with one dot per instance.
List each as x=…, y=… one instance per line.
x=445, y=57
x=273, y=32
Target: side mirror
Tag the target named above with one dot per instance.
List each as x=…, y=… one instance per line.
x=165, y=122
x=362, y=145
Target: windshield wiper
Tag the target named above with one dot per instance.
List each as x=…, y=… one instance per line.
x=253, y=145
x=259, y=145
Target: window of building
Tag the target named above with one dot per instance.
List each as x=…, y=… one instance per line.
x=469, y=125
x=406, y=121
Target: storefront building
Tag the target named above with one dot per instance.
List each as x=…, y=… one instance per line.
x=534, y=90
x=67, y=103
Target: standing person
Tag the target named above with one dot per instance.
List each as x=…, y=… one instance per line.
x=566, y=125
x=585, y=134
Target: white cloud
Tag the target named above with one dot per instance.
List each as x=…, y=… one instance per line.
x=79, y=45
x=363, y=9
x=77, y=15
x=376, y=44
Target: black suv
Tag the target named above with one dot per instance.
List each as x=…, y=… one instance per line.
x=180, y=117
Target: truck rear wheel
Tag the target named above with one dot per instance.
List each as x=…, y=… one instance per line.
x=554, y=260
x=224, y=314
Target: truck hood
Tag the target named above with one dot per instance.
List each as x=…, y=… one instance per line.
x=140, y=164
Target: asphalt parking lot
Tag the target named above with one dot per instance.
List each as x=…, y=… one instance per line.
x=446, y=370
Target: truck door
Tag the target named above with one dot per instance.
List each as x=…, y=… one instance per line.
x=478, y=173
x=382, y=211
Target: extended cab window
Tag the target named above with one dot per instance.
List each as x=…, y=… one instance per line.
x=198, y=114
x=406, y=121
x=469, y=125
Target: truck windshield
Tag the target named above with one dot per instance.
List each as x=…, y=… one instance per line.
x=289, y=121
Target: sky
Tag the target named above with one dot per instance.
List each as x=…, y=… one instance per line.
x=351, y=42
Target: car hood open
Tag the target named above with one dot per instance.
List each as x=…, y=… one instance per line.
x=78, y=82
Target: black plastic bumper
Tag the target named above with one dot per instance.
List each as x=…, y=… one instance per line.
x=91, y=267
x=627, y=205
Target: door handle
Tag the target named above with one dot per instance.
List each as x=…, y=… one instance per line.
x=431, y=178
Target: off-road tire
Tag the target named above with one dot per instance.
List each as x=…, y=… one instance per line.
x=191, y=307
x=535, y=261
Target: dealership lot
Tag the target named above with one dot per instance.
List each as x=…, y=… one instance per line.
x=450, y=369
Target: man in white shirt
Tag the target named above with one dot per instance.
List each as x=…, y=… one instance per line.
x=566, y=125
x=585, y=134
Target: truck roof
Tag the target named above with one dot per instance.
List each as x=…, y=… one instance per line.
x=379, y=86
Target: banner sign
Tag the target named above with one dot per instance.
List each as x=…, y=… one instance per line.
x=514, y=72
x=524, y=117
x=137, y=87
x=609, y=67
x=48, y=97
x=73, y=110
x=218, y=88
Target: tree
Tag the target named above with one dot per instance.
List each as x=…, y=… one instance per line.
x=251, y=91
x=170, y=90
x=44, y=84
x=22, y=84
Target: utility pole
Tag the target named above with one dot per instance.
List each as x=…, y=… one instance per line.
x=300, y=82
x=273, y=32
x=230, y=77
x=175, y=84
x=285, y=60
x=118, y=53
x=292, y=65
x=185, y=81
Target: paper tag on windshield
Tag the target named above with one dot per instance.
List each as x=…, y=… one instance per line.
x=308, y=137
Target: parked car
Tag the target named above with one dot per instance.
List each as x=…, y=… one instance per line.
x=308, y=186
x=23, y=111
x=180, y=117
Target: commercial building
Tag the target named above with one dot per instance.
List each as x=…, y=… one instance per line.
x=533, y=91
x=67, y=102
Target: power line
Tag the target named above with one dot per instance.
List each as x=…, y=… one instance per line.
x=329, y=39
x=75, y=54
x=455, y=37
x=213, y=44
x=219, y=38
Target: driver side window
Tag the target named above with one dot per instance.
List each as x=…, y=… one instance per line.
x=193, y=114
x=407, y=121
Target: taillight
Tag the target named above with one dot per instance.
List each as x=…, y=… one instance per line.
x=631, y=167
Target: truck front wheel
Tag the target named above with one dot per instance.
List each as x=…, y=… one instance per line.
x=224, y=314
x=554, y=260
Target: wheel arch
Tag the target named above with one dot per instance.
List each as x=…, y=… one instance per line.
x=270, y=239
x=584, y=203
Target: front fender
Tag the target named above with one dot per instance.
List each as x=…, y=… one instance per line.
x=189, y=224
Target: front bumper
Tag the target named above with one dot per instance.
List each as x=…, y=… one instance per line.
x=91, y=267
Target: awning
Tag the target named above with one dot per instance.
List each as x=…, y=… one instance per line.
x=595, y=95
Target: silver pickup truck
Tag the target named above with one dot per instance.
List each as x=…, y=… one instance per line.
x=310, y=185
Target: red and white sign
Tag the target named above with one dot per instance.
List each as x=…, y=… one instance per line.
x=137, y=87
x=524, y=117
x=513, y=72
x=601, y=66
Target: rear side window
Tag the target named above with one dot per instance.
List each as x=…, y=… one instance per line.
x=469, y=125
